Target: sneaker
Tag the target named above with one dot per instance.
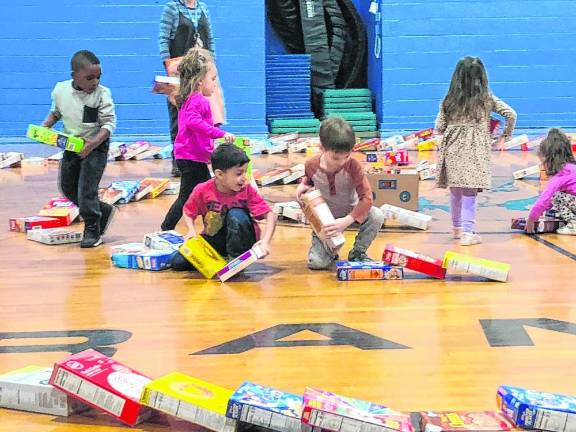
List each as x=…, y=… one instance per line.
x=106, y=218
x=469, y=239
x=457, y=233
x=356, y=256
x=91, y=238
x=175, y=170
x=568, y=229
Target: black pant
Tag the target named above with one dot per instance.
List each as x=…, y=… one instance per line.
x=79, y=180
x=193, y=173
x=236, y=236
x=173, y=115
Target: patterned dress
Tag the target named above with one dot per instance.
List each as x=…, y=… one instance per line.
x=464, y=153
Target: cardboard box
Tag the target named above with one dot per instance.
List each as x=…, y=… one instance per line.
x=173, y=188
x=202, y=256
x=448, y=421
x=159, y=185
x=134, y=149
x=428, y=145
x=399, y=157
x=400, y=190
x=343, y=414
x=372, y=144
x=51, y=137
x=290, y=210
x=426, y=170
x=530, y=409
x=544, y=224
x=240, y=263
x=349, y=271
x=271, y=176
x=116, y=149
x=102, y=383
x=154, y=260
x=293, y=177
x=148, y=154
x=34, y=223
x=165, y=152
x=299, y=146
x=266, y=407
x=520, y=140
x=54, y=236
x=125, y=255
x=33, y=162
x=406, y=217
x=422, y=135
x=56, y=157
x=164, y=240
x=142, y=191
x=27, y=389
x=481, y=267
x=10, y=159
x=128, y=189
x=109, y=195
x=393, y=143
x=527, y=172
x=60, y=208
x=413, y=261
x=190, y=399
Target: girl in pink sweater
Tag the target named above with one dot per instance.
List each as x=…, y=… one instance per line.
x=194, y=143
x=557, y=158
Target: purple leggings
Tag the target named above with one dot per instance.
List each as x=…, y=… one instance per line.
x=463, y=208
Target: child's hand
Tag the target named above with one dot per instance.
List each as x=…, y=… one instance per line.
x=89, y=145
x=264, y=247
x=499, y=145
x=337, y=227
x=530, y=226
x=229, y=138
x=301, y=190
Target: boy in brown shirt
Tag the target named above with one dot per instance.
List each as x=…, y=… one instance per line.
x=346, y=190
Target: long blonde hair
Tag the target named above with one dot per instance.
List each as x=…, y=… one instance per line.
x=192, y=69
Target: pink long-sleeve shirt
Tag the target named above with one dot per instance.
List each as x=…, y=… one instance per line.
x=196, y=130
x=564, y=181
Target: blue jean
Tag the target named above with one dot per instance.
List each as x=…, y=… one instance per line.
x=236, y=236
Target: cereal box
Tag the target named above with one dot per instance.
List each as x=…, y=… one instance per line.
x=51, y=137
x=60, y=208
x=103, y=383
x=530, y=409
x=488, y=421
x=10, y=159
x=482, y=267
x=520, y=140
x=406, y=217
x=27, y=389
x=158, y=185
x=543, y=225
x=154, y=260
x=128, y=188
x=54, y=236
x=125, y=255
x=171, y=240
x=342, y=414
x=202, y=256
x=349, y=271
x=266, y=407
x=240, y=263
x=190, y=399
x=527, y=172
x=414, y=261
x=35, y=222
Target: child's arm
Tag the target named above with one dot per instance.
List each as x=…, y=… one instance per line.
x=306, y=182
x=191, y=228
x=543, y=203
x=50, y=120
x=264, y=242
x=509, y=114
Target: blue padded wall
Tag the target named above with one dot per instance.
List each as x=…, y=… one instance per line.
x=528, y=48
x=37, y=39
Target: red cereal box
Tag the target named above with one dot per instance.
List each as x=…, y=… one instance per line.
x=413, y=261
x=60, y=208
x=103, y=383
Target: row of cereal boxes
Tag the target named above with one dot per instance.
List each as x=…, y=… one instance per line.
x=90, y=379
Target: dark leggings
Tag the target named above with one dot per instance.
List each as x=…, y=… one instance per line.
x=193, y=173
x=236, y=236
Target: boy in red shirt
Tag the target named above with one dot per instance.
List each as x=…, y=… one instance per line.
x=229, y=206
x=346, y=190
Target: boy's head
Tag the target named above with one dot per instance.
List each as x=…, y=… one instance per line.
x=86, y=71
x=229, y=164
x=337, y=140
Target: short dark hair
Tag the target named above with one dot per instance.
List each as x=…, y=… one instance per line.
x=337, y=135
x=82, y=59
x=228, y=156
x=555, y=151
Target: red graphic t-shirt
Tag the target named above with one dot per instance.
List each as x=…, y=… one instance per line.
x=207, y=201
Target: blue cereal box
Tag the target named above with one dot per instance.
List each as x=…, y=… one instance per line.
x=266, y=407
x=128, y=189
x=154, y=260
x=530, y=409
x=170, y=240
x=350, y=271
x=125, y=255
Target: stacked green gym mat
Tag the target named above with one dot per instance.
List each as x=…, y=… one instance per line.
x=354, y=105
x=281, y=126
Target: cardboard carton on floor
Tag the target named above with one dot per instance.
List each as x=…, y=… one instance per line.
x=406, y=217
x=202, y=256
x=190, y=399
x=350, y=271
x=25, y=224
x=240, y=263
x=27, y=389
x=543, y=225
x=102, y=383
x=455, y=421
x=478, y=266
x=527, y=172
x=400, y=190
x=10, y=159
x=414, y=261
x=54, y=236
x=60, y=208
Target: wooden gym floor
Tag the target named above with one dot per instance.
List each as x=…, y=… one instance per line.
x=415, y=344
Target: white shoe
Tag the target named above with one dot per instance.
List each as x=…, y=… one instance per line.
x=568, y=229
x=457, y=233
x=469, y=239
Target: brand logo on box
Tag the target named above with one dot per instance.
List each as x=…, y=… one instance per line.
x=75, y=365
x=405, y=196
x=388, y=184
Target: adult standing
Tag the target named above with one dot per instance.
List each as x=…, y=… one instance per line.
x=186, y=24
